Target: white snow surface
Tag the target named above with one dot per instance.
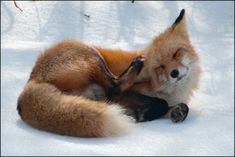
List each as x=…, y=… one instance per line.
x=209, y=127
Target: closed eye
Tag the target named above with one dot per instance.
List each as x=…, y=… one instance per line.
x=175, y=54
x=162, y=66
x=178, y=53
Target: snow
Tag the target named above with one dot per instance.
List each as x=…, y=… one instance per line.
x=209, y=127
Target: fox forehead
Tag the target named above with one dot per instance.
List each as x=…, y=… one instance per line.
x=161, y=54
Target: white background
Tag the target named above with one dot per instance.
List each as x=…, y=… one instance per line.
x=209, y=128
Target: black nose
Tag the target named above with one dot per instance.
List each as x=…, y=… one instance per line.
x=174, y=73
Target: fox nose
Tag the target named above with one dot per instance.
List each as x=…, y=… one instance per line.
x=174, y=73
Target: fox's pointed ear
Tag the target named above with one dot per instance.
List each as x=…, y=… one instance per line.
x=179, y=18
x=179, y=27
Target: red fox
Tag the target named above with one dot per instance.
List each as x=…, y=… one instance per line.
x=74, y=88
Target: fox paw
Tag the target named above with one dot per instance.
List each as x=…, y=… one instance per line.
x=137, y=64
x=179, y=113
x=126, y=79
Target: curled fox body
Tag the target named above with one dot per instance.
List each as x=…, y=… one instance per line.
x=69, y=83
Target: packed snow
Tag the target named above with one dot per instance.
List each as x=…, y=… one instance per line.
x=209, y=127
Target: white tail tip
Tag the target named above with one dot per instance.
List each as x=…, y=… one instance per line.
x=117, y=123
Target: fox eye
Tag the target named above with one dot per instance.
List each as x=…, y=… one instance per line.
x=162, y=66
x=174, y=56
x=177, y=54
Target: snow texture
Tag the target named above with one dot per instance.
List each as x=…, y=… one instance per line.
x=209, y=127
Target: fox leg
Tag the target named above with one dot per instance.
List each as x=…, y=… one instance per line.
x=145, y=108
x=178, y=113
x=124, y=81
x=140, y=107
x=127, y=78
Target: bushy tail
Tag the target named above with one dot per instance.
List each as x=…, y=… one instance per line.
x=45, y=107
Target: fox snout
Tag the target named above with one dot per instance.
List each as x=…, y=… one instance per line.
x=174, y=73
x=179, y=73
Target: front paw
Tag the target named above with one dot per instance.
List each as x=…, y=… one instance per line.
x=137, y=64
x=179, y=113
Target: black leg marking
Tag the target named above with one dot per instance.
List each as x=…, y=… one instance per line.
x=133, y=70
x=148, y=108
x=115, y=89
x=156, y=111
x=179, y=113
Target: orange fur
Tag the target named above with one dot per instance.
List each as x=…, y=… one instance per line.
x=118, y=60
x=69, y=67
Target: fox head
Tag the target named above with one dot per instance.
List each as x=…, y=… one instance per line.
x=170, y=60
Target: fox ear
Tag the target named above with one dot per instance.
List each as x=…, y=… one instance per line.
x=179, y=18
x=179, y=26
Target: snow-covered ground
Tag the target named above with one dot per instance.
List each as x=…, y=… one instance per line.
x=209, y=128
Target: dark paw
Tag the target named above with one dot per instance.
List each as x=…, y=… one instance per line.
x=179, y=113
x=137, y=64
